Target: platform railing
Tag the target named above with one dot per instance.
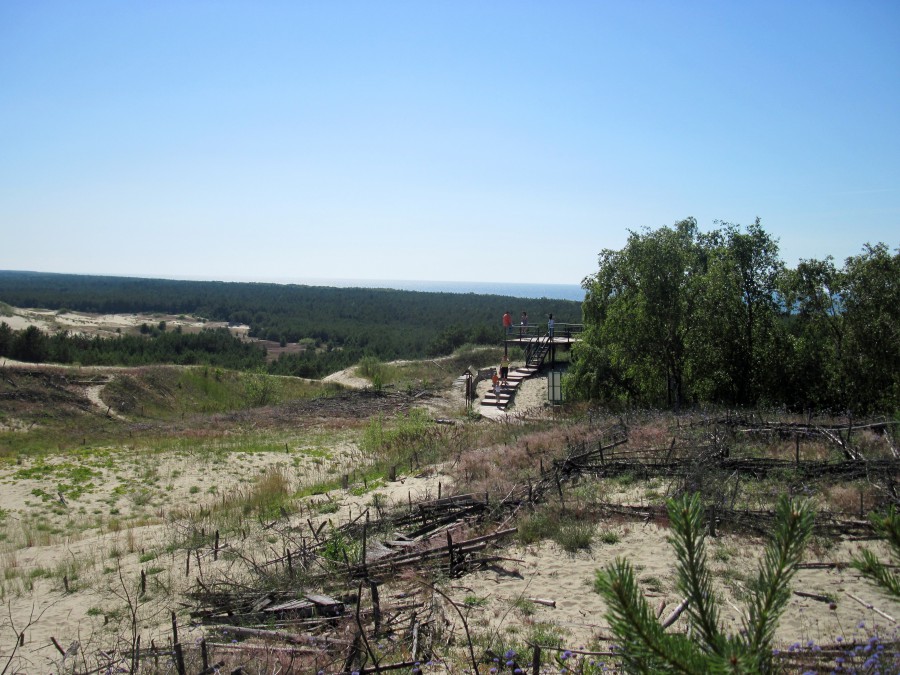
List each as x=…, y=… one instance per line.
x=533, y=330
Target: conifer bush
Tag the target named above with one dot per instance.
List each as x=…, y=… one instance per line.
x=887, y=526
x=645, y=645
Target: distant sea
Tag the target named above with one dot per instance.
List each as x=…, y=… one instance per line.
x=550, y=291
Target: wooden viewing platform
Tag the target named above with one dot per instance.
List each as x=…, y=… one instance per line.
x=538, y=345
x=564, y=334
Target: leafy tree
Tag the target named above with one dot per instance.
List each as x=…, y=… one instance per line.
x=738, y=326
x=637, y=313
x=679, y=315
x=647, y=648
x=816, y=373
x=871, y=306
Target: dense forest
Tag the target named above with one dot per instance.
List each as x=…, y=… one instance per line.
x=341, y=325
x=679, y=317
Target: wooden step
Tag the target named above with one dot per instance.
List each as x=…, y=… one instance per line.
x=504, y=396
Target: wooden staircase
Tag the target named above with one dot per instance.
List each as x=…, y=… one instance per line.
x=507, y=391
x=537, y=352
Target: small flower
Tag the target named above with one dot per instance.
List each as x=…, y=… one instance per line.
x=861, y=624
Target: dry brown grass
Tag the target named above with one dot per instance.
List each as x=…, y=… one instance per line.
x=498, y=468
x=845, y=499
x=653, y=434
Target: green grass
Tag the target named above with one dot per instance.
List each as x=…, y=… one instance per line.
x=159, y=393
x=536, y=527
x=525, y=606
x=652, y=583
x=609, y=537
x=574, y=536
x=366, y=487
x=566, y=529
x=327, y=507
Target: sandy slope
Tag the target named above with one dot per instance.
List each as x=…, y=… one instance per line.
x=46, y=542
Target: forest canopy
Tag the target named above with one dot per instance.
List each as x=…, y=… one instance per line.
x=681, y=317
x=341, y=325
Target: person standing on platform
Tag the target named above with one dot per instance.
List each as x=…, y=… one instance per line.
x=507, y=322
x=550, y=324
x=523, y=324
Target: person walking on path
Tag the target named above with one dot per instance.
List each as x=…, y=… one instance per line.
x=507, y=322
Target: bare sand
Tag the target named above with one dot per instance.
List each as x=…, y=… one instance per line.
x=79, y=323
x=546, y=572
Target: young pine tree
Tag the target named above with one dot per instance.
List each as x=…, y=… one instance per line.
x=872, y=568
x=647, y=648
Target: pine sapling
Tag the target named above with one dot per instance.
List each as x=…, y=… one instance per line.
x=647, y=648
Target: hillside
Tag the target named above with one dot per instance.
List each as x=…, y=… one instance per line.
x=132, y=493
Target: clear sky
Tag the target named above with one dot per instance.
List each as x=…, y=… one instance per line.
x=460, y=141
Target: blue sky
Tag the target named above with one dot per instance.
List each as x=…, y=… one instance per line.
x=460, y=141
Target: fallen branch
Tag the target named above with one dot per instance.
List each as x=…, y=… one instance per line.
x=814, y=596
x=869, y=605
x=673, y=617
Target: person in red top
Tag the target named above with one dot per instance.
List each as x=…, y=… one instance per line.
x=507, y=322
